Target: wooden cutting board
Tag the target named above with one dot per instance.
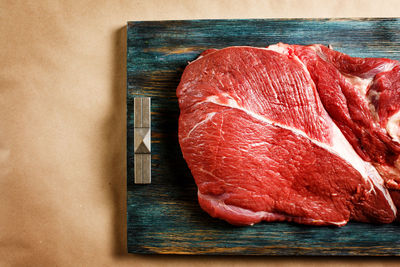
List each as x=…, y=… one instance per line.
x=164, y=216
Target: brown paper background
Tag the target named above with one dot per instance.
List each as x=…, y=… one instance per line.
x=62, y=126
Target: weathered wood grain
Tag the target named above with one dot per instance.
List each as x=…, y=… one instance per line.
x=164, y=217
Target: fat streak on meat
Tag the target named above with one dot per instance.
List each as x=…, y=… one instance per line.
x=291, y=133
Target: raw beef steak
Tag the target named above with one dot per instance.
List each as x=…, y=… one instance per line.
x=262, y=145
x=362, y=96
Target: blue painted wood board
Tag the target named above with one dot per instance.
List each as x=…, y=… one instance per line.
x=164, y=217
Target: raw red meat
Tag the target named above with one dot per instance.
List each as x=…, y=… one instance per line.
x=362, y=96
x=261, y=131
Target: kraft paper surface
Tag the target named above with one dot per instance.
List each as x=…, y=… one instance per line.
x=62, y=126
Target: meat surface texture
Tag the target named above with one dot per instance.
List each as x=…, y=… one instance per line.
x=292, y=133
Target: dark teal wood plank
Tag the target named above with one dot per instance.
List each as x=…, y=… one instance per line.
x=164, y=217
